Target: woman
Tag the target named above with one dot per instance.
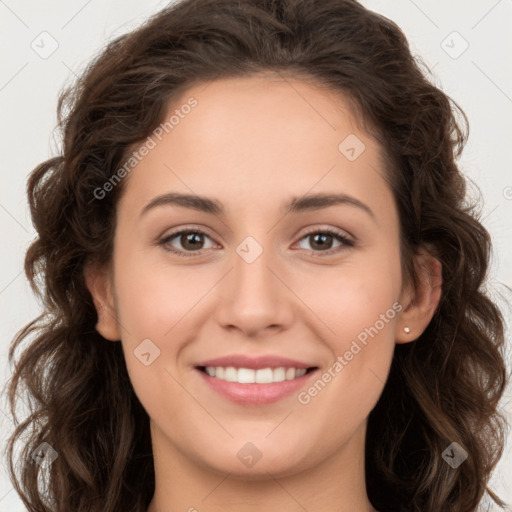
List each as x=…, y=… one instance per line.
x=262, y=279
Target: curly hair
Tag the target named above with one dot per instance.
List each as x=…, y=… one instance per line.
x=444, y=387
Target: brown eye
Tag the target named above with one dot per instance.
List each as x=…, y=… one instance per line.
x=191, y=241
x=322, y=241
x=188, y=241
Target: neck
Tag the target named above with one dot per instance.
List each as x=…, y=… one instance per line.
x=335, y=485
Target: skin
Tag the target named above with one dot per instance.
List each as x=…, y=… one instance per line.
x=253, y=143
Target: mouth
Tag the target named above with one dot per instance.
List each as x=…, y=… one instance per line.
x=255, y=386
x=255, y=376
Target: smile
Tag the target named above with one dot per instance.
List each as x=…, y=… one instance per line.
x=252, y=376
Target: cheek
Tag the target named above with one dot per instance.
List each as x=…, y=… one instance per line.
x=355, y=296
x=363, y=309
x=358, y=306
x=149, y=307
x=152, y=297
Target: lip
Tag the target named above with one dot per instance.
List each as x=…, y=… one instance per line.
x=255, y=363
x=255, y=394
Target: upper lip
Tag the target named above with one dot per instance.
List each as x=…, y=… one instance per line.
x=255, y=363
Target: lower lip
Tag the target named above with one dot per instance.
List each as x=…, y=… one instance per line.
x=255, y=394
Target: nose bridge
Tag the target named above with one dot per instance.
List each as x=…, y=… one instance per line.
x=254, y=297
x=253, y=282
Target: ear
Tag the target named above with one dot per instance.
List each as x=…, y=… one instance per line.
x=99, y=283
x=421, y=298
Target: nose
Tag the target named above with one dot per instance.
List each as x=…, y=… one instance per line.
x=254, y=297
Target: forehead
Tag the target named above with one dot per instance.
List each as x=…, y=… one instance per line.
x=265, y=105
x=256, y=138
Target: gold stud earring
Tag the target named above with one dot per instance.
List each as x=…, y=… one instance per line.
x=407, y=330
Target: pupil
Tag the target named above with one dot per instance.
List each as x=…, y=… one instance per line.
x=192, y=238
x=322, y=237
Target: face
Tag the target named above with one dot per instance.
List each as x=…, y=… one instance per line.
x=267, y=278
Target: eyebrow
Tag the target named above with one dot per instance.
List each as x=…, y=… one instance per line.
x=297, y=204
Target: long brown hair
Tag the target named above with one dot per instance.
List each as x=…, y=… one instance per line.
x=444, y=387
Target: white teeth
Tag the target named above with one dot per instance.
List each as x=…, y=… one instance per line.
x=278, y=374
x=263, y=375
x=290, y=373
x=230, y=374
x=246, y=376
x=250, y=376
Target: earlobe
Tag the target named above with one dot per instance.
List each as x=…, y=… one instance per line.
x=100, y=287
x=422, y=298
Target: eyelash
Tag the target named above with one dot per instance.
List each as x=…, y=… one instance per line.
x=345, y=241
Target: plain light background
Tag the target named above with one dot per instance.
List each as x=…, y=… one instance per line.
x=44, y=45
